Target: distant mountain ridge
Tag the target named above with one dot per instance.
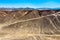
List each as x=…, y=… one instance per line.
x=12, y=9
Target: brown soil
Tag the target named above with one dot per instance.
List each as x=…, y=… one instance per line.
x=29, y=25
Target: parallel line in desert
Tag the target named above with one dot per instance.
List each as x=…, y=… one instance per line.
x=10, y=23
x=42, y=35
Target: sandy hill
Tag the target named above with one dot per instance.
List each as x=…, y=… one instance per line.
x=30, y=25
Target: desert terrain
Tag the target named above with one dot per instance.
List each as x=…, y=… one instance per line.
x=30, y=25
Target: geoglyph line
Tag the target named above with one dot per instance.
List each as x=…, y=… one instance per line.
x=17, y=21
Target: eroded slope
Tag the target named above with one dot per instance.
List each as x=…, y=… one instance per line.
x=29, y=25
